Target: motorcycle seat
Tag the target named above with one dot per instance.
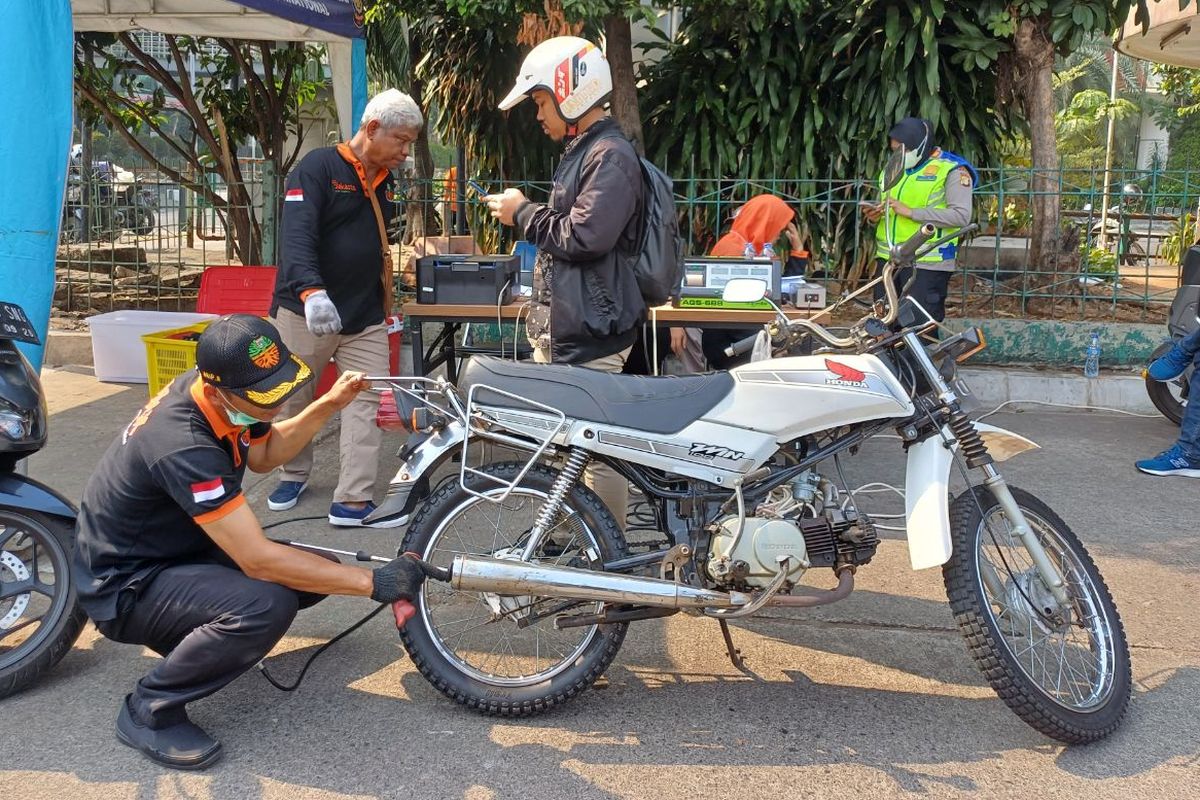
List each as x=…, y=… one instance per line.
x=655, y=405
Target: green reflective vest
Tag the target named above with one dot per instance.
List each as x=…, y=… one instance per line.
x=922, y=188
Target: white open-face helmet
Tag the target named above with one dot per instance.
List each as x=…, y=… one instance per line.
x=574, y=71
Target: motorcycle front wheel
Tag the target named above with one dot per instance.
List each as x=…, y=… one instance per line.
x=1065, y=673
x=501, y=654
x=40, y=617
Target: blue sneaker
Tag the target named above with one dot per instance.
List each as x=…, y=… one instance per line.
x=286, y=495
x=345, y=517
x=1170, y=365
x=1171, y=462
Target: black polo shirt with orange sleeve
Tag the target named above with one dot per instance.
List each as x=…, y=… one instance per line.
x=178, y=464
x=329, y=238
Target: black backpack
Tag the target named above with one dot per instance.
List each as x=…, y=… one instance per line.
x=658, y=260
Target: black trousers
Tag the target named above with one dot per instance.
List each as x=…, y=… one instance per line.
x=210, y=622
x=929, y=289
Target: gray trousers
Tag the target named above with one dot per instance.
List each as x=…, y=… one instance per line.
x=365, y=352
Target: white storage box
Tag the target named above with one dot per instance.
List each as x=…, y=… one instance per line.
x=117, y=347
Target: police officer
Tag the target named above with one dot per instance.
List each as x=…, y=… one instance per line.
x=936, y=187
x=170, y=556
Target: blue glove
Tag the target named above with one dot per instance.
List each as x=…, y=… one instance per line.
x=321, y=315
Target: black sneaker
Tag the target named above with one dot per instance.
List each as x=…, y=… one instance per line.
x=181, y=746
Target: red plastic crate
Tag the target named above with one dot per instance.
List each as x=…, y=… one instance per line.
x=236, y=290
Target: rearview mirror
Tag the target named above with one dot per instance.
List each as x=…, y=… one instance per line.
x=894, y=169
x=744, y=290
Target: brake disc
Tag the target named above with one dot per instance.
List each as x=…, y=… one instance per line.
x=13, y=607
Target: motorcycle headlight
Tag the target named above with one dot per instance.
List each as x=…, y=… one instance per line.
x=961, y=346
x=14, y=425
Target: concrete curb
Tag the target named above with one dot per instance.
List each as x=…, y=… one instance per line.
x=65, y=348
x=1120, y=391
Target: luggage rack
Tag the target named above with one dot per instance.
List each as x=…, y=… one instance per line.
x=479, y=421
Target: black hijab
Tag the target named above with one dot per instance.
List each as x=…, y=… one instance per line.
x=915, y=134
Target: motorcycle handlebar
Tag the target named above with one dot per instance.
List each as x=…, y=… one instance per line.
x=741, y=346
x=908, y=250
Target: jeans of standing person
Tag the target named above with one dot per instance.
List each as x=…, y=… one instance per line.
x=365, y=352
x=1189, y=428
x=601, y=479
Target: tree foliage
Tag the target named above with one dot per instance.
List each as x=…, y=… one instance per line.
x=241, y=90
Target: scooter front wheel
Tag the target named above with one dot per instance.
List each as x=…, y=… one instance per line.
x=40, y=617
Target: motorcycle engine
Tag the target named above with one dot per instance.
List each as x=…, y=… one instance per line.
x=805, y=521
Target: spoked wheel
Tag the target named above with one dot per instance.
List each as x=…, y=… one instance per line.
x=502, y=654
x=1169, y=397
x=39, y=616
x=1064, y=672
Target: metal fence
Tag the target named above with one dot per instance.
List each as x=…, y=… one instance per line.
x=146, y=245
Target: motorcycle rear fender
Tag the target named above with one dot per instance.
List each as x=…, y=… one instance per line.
x=422, y=454
x=25, y=494
x=927, y=490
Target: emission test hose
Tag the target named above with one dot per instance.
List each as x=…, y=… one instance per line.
x=309, y=661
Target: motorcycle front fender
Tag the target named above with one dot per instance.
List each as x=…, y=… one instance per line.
x=927, y=490
x=23, y=493
x=422, y=453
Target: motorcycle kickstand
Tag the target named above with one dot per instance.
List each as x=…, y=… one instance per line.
x=735, y=655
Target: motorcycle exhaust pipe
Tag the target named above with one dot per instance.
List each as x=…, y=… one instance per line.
x=516, y=578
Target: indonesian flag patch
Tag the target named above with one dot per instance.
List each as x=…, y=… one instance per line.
x=208, y=490
x=294, y=196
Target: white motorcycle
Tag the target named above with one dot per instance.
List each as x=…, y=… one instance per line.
x=742, y=471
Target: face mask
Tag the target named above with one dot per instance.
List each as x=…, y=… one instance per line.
x=238, y=418
x=911, y=158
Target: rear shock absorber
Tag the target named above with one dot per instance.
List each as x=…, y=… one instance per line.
x=577, y=459
x=973, y=448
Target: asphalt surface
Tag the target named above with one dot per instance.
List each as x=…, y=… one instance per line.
x=873, y=697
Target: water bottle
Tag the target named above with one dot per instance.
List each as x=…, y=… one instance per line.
x=748, y=251
x=768, y=251
x=1091, y=361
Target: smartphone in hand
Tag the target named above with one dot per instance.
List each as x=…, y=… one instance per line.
x=478, y=188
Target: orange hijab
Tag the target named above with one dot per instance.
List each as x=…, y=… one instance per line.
x=760, y=220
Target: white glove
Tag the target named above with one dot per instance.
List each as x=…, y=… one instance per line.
x=321, y=314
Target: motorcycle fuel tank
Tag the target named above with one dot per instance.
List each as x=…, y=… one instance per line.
x=790, y=397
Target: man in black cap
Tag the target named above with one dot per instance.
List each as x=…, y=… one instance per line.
x=936, y=187
x=170, y=556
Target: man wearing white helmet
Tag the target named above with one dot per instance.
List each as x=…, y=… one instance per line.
x=586, y=305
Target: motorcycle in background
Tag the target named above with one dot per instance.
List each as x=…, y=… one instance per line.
x=1171, y=397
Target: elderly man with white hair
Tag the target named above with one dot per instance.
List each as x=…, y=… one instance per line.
x=334, y=288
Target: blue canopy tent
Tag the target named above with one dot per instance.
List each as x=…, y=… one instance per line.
x=37, y=95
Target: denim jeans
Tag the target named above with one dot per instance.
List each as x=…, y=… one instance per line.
x=1189, y=429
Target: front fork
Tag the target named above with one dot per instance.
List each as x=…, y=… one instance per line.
x=973, y=448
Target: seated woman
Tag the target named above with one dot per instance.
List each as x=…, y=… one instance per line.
x=760, y=220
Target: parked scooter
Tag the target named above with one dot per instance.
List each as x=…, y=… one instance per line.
x=40, y=617
x=1171, y=397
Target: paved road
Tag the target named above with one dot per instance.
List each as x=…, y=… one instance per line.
x=875, y=697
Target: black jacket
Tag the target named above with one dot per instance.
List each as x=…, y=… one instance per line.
x=587, y=237
x=330, y=239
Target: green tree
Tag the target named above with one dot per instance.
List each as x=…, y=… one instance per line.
x=242, y=90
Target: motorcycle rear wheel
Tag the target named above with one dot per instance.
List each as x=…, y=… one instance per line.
x=1169, y=397
x=40, y=617
x=468, y=645
x=1069, y=678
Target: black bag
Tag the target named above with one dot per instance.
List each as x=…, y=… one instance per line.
x=658, y=261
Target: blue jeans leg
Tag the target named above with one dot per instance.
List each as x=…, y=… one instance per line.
x=1189, y=430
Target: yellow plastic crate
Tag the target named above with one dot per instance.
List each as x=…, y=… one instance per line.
x=168, y=357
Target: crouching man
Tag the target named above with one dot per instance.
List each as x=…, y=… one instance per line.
x=170, y=556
